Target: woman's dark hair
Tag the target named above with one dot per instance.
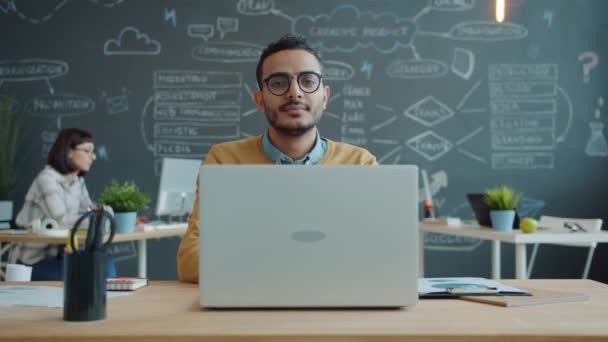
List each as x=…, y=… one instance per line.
x=287, y=42
x=67, y=140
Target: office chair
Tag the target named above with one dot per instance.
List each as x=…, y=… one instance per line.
x=574, y=224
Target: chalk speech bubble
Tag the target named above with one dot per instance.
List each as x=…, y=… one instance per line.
x=31, y=69
x=487, y=31
x=416, y=68
x=451, y=5
x=227, y=52
x=337, y=71
x=226, y=24
x=204, y=31
x=255, y=7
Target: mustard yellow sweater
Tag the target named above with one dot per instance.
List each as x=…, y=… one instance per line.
x=250, y=151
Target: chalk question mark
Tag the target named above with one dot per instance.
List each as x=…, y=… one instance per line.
x=590, y=61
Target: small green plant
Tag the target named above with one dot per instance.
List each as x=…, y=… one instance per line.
x=502, y=198
x=9, y=143
x=124, y=198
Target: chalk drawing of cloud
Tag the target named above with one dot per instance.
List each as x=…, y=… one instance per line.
x=131, y=42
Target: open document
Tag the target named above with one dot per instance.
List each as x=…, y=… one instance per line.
x=455, y=287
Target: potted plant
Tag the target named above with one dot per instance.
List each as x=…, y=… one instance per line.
x=9, y=143
x=502, y=202
x=126, y=200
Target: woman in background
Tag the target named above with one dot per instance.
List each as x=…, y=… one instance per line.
x=58, y=193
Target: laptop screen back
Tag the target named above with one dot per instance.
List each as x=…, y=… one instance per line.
x=301, y=236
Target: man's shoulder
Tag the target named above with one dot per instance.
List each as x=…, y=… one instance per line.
x=244, y=151
x=240, y=142
x=348, y=148
x=237, y=145
x=344, y=153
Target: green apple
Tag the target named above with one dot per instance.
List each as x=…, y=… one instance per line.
x=528, y=225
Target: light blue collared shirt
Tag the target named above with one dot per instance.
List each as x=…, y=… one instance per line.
x=311, y=158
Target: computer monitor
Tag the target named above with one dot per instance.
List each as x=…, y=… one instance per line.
x=177, y=188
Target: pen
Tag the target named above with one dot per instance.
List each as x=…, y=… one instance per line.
x=89, y=241
x=68, y=245
x=428, y=201
x=574, y=227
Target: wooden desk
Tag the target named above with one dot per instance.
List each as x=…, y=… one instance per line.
x=140, y=237
x=516, y=237
x=169, y=311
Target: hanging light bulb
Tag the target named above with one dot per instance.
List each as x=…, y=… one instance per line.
x=500, y=10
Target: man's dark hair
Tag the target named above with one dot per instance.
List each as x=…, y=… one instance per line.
x=287, y=42
x=67, y=140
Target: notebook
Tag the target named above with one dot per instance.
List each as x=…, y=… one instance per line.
x=308, y=236
x=125, y=283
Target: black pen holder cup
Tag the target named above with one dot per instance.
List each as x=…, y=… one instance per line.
x=84, y=286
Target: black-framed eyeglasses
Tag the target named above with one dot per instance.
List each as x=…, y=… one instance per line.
x=278, y=84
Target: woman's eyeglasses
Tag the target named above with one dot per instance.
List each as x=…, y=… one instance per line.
x=90, y=152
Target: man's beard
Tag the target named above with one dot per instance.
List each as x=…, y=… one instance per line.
x=290, y=130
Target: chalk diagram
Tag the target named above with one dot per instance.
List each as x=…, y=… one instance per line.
x=523, y=99
x=190, y=110
x=596, y=144
x=52, y=105
x=526, y=114
x=523, y=107
x=37, y=12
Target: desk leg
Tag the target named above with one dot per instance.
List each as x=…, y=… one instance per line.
x=420, y=254
x=520, y=261
x=495, y=259
x=141, y=259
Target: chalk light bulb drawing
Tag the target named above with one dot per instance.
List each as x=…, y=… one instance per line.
x=500, y=10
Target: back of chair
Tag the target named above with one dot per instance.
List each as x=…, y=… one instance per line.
x=557, y=223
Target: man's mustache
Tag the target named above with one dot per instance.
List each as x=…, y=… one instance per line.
x=284, y=106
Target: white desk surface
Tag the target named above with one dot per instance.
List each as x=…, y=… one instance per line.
x=140, y=237
x=9, y=236
x=540, y=236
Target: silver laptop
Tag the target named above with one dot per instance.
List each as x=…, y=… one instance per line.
x=299, y=236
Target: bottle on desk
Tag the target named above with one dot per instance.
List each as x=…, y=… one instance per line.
x=430, y=210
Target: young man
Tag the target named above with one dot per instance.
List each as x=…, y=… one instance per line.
x=293, y=96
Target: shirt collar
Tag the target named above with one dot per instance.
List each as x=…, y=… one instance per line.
x=60, y=178
x=311, y=158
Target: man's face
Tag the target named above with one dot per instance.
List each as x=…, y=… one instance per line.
x=295, y=112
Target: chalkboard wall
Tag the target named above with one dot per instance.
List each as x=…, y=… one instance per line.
x=437, y=83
